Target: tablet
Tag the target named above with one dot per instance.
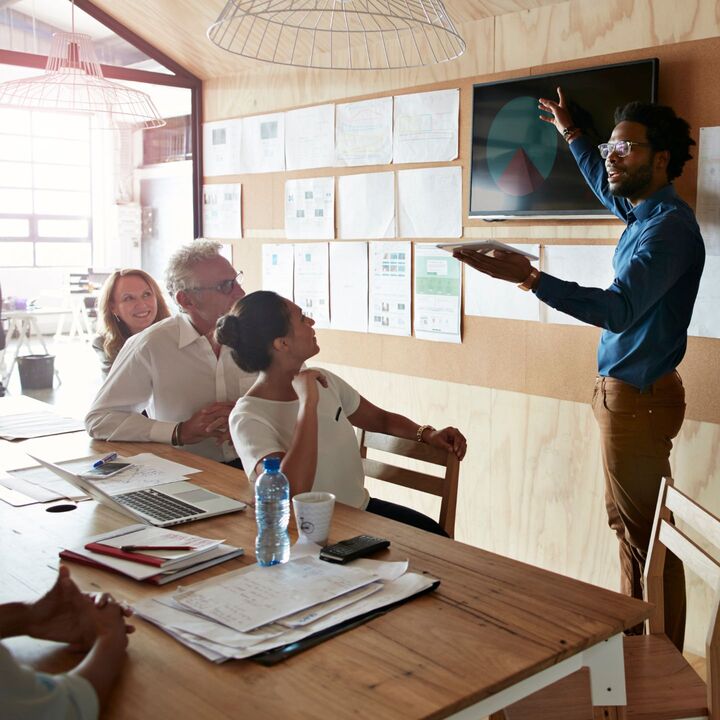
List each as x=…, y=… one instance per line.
x=485, y=247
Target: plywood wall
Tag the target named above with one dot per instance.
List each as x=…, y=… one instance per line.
x=531, y=486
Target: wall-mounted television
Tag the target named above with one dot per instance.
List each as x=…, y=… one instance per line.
x=521, y=166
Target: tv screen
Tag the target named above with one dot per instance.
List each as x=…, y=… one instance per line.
x=521, y=166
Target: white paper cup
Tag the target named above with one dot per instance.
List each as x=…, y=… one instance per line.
x=313, y=513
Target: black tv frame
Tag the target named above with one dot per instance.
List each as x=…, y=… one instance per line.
x=479, y=172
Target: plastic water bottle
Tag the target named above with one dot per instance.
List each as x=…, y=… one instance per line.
x=272, y=512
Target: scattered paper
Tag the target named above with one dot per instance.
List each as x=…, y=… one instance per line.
x=489, y=297
x=349, y=286
x=311, y=281
x=438, y=293
x=708, y=189
x=263, y=146
x=310, y=137
x=706, y=319
x=278, y=262
x=245, y=601
x=426, y=126
x=587, y=265
x=222, y=147
x=366, y=206
x=390, y=288
x=363, y=134
x=430, y=201
x=222, y=214
x=310, y=209
x=21, y=426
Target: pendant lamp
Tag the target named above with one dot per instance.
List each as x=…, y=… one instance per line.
x=73, y=82
x=339, y=34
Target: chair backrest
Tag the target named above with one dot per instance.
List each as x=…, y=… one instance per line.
x=444, y=486
x=675, y=505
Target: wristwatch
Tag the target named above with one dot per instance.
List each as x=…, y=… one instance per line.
x=530, y=280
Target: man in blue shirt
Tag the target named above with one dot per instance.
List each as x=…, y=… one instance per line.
x=639, y=400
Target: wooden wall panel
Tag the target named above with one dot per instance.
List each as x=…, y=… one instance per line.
x=531, y=485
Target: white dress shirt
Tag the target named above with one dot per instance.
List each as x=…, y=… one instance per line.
x=171, y=371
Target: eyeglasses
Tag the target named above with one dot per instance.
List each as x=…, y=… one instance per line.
x=225, y=287
x=621, y=148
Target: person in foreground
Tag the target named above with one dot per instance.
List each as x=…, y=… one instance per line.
x=95, y=626
x=306, y=416
x=639, y=399
x=130, y=301
x=174, y=369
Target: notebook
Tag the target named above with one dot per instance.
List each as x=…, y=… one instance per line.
x=162, y=505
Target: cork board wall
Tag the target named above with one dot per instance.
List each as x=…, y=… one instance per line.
x=555, y=361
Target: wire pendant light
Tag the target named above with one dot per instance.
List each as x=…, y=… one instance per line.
x=339, y=34
x=73, y=82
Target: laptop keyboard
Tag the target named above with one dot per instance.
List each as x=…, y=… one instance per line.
x=158, y=505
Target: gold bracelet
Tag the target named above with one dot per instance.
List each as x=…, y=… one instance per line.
x=529, y=281
x=421, y=429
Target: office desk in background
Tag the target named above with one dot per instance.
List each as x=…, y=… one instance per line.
x=493, y=630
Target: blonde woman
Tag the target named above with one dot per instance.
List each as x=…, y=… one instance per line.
x=130, y=301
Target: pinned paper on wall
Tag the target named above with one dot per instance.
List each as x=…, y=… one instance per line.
x=426, y=126
x=706, y=319
x=222, y=148
x=708, y=188
x=310, y=137
x=390, y=288
x=263, y=147
x=222, y=215
x=438, y=291
x=277, y=268
x=430, y=202
x=366, y=206
x=349, y=286
x=310, y=209
x=587, y=265
x=488, y=297
x=312, y=281
x=363, y=132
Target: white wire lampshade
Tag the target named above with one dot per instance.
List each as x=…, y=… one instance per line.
x=339, y=34
x=73, y=82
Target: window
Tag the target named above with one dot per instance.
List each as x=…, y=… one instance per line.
x=45, y=189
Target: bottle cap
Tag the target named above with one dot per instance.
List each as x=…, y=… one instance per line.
x=271, y=463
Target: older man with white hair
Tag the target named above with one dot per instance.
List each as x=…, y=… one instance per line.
x=174, y=370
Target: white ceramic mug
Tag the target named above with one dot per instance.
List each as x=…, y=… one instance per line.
x=313, y=513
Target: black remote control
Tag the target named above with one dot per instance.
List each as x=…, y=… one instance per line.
x=353, y=548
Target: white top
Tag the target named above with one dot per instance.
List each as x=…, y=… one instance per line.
x=261, y=427
x=171, y=371
x=29, y=695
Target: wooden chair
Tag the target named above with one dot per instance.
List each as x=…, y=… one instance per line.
x=661, y=685
x=444, y=486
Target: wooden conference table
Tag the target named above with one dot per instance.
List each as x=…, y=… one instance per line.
x=493, y=632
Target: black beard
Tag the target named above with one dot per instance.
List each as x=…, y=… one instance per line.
x=633, y=185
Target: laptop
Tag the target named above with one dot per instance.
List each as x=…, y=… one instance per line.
x=162, y=505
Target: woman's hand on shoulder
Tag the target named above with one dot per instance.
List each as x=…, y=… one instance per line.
x=450, y=439
x=305, y=385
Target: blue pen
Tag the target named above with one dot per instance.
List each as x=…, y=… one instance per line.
x=106, y=459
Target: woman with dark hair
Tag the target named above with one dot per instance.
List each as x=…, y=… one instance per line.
x=130, y=301
x=306, y=416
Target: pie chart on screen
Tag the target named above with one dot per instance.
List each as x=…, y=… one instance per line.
x=521, y=148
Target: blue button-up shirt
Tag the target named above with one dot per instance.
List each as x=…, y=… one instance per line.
x=658, y=262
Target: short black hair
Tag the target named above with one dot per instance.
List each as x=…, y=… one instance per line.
x=251, y=326
x=665, y=131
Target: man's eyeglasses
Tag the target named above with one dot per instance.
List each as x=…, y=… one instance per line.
x=621, y=148
x=225, y=287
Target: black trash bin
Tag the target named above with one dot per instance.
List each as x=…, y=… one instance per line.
x=36, y=371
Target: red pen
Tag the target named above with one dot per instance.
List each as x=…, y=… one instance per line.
x=135, y=548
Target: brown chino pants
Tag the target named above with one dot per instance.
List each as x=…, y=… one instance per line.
x=636, y=432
